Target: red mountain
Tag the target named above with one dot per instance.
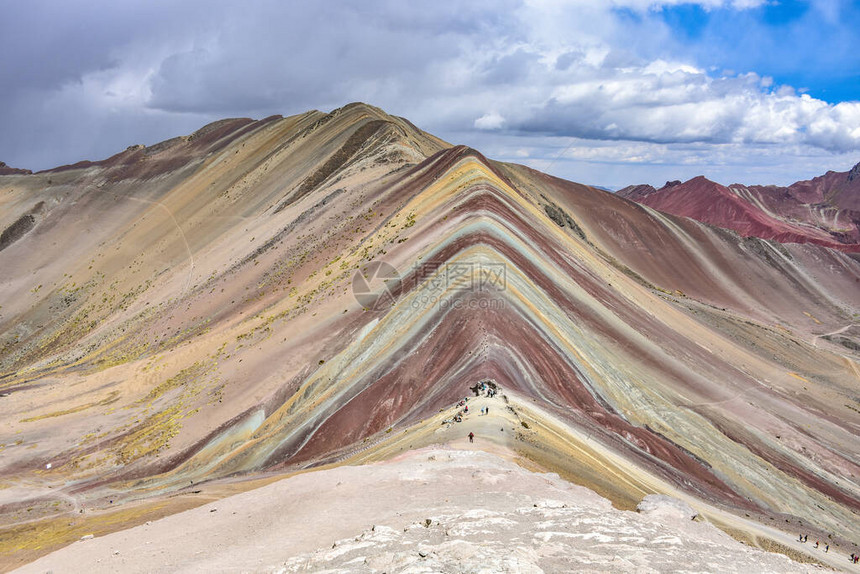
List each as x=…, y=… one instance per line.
x=824, y=210
x=9, y=170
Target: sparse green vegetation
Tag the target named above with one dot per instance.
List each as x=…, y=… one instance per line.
x=112, y=397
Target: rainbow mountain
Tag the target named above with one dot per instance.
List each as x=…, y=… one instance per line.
x=266, y=297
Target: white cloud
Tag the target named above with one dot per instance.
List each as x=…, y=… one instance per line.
x=490, y=121
x=673, y=102
x=662, y=67
x=657, y=4
x=830, y=9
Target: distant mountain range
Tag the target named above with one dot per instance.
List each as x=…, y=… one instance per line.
x=8, y=170
x=824, y=210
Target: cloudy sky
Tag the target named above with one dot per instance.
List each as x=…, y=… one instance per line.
x=606, y=92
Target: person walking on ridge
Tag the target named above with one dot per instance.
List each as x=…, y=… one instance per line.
x=471, y=437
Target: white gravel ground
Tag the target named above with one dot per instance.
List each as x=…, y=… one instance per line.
x=429, y=510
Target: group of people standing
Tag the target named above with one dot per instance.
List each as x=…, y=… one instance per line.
x=805, y=537
x=486, y=388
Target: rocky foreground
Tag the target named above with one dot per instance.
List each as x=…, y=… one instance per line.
x=442, y=509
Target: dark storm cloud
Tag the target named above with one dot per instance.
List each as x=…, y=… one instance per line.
x=313, y=54
x=57, y=101
x=512, y=68
x=86, y=79
x=81, y=76
x=49, y=43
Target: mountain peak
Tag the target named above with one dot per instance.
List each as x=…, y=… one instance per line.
x=636, y=192
x=854, y=173
x=698, y=180
x=8, y=170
